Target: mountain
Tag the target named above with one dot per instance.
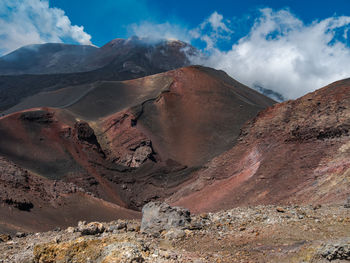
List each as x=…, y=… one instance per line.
x=121, y=143
x=133, y=54
x=50, y=67
x=47, y=59
x=293, y=152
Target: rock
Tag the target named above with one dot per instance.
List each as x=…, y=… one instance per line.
x=347, y=203
x=204, y=216
x=124, y=252
x=141, y=154
x=38, y=116
x=92, y=228
x=195, y=226
x=57, y=240
x=315, y=207
x=174, y=233
x=4, y=238
x=339, y=250
x=133, y=227
x=157, y=216
x=70, y=229
x=21, y=234
x=84, y=250
x=84, y=131
x=118, y=226
x=280, y=210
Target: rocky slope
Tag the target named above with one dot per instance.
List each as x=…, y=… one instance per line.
x=127, y=142
x=248, y=234
x=296, y=151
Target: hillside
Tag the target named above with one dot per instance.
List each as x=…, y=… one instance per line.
x=127, y=142
x=292, y=152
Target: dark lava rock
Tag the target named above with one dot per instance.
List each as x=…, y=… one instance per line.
x=21, y=234
x=340, y=250
x=280, y=210
x=347, y=203
x=157, y=216
x=21, y=205
x=4, y=238
x=85, y=132
x=39, y=116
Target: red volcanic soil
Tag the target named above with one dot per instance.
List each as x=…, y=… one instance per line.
x=294, y=152
x=121, y=143
x=200, y=115
x=30, y=202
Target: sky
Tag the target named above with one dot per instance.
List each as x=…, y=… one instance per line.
x=290, y=46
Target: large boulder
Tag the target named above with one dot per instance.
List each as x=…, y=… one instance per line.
x=157, y=217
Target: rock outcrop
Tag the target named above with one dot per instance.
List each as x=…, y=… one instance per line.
x=339, y=249
x=157, y=217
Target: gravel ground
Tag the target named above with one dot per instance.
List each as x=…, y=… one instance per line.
x=246, y=234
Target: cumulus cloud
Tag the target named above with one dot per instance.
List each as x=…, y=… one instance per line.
x=280, y=52
x=212, y=29
x=156, y=32
x=284, y=54
x=24, y=22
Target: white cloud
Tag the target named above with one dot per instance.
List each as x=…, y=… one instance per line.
x=24, y=22
x=217, y=22
x=280, y=52
x=212, y=29
x=283, y=54
x=209, y=31
x=156, y=32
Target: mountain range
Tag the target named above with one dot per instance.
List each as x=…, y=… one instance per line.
x=109, y=129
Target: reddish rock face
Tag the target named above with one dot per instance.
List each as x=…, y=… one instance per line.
x=293, y=152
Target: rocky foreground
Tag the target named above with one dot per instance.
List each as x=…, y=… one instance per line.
x=165, y=234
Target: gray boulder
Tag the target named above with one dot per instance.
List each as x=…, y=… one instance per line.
x=92, y=228
x=157, y=217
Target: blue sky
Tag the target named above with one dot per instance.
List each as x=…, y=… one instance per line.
x=292, y=47
x=108, y=19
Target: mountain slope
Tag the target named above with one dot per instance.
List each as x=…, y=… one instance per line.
x=293, y=152
x=191, y=114
x=47, y=59
x=118, y=60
